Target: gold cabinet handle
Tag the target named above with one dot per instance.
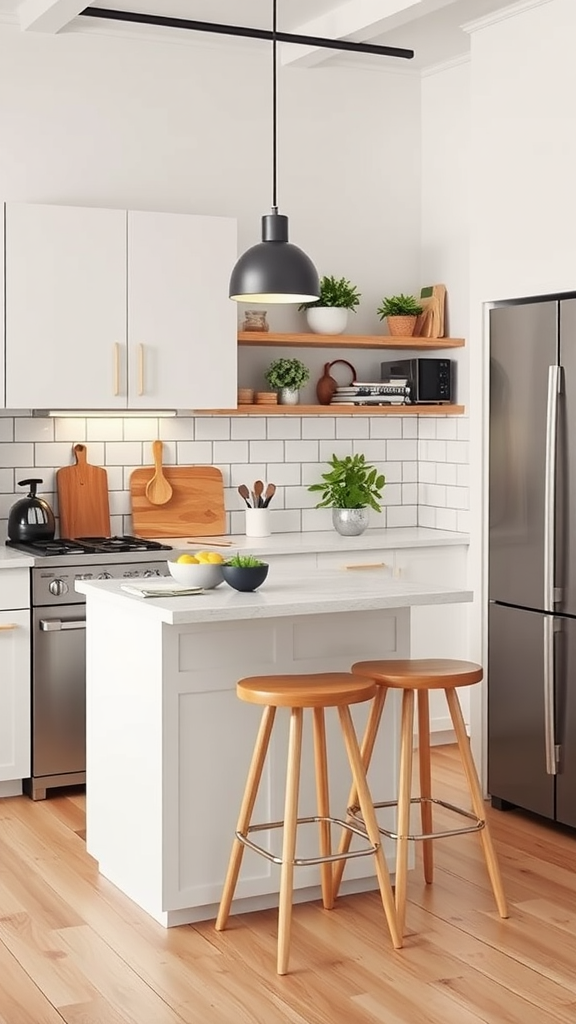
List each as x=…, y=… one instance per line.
x=140, y=370
x=5, y=626
x=116, y=369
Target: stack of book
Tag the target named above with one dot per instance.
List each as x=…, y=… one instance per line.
x=381, y=392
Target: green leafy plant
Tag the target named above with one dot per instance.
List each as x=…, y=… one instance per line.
x=287, y=373
x=399, y=305
x=350, y=483
x=333, y=292
x=244, y=561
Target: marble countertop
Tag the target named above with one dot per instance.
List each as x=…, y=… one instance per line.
x=10, y=558
x=284, y=593
x=330, y=540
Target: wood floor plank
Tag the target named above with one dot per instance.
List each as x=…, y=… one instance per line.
x=21, y=1001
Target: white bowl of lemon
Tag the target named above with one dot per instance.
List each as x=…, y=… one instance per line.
x=202, y=569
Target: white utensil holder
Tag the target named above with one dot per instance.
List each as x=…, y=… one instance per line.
x=258, y=522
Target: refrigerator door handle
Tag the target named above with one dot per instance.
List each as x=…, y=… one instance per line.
x=549, y=730
x=550, y=486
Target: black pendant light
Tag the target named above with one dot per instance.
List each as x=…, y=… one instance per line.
x=274, y=270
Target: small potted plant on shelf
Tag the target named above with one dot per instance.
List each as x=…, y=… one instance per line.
x=287, y=376
x=351, y=488
x=401, y=312
x=329, y=314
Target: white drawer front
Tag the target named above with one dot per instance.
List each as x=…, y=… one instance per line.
x=14, y=588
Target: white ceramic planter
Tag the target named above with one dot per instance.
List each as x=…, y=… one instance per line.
x=327, y=319
x=289, y=396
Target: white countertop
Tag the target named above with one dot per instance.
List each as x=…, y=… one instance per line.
x=330, y=540
x=284, y=593
x=10, y=558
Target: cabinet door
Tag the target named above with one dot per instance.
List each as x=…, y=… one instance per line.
x=182, y=327
x=14, y=695
x=2, y=321
x=65, y=307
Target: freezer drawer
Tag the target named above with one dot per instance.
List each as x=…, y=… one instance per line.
x=516, y=740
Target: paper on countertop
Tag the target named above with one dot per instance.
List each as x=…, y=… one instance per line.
x=161, y=588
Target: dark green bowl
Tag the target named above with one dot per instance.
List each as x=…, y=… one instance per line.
x=244, y=578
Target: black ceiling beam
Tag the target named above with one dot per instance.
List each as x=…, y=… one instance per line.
x=249, y=33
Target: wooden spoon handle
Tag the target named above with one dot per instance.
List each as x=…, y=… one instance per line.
x=157, y=454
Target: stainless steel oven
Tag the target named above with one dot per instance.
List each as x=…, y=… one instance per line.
x=58, y=619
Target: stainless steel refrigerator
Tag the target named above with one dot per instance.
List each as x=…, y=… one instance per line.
x=532, y=558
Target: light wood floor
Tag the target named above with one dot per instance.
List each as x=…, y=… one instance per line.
x=73, y=949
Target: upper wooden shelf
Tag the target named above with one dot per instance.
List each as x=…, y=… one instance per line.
x=346, y=340
x=338, y=410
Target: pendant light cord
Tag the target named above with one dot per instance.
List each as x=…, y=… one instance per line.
x=274, y=113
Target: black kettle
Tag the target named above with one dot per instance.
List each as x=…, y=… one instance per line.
x=31, y=518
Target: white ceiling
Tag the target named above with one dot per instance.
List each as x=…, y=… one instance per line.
x=432, y=28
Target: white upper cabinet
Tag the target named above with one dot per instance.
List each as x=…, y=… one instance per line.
x=113, y=310
x=2, y=320
x=65, y=307
x=181, y=324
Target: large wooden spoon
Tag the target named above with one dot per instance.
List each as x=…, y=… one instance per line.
x=158, y=490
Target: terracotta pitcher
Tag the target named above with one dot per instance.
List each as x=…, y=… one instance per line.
x=327, y=386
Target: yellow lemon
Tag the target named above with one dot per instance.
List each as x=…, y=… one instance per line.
x=215, y=557
x=187, y=559
x=203, y=556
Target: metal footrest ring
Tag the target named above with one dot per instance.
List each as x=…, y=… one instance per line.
x=355, y=814
x=265, y=826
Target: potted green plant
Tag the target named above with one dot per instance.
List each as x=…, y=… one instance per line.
x=401, y=312
x=244, y=572
x=287, y=376
x=329, y=313
x=350, y=488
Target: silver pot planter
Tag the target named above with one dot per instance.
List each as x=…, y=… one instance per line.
x=350, y=522
x=289, y=396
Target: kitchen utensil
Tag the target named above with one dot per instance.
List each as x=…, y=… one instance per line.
x=83, y=498
x=326, y=386
x=257, y=492
x=31, y=518
x=158, y=490
x=268, y=495
x=244, y=493
x=209, y=541
x=196, y=508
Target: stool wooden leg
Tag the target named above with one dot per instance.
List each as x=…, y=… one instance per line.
x=367, y=750
x=289, y=843
x=404, y=796
x=425, y=782
x=323, y=802
x=369, y=815
x=247, y=806
x=477, y=800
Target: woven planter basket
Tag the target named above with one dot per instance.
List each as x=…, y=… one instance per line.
x=401, y=326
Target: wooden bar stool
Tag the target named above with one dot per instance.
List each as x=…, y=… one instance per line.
x=419, y=677
x=297, y=692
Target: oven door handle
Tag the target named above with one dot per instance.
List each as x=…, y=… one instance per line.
x=50, y=625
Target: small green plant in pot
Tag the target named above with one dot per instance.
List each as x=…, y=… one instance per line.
x=244, y=572
x=329, y=313
x=287, y=376
x=350, y=488
x=401, y=312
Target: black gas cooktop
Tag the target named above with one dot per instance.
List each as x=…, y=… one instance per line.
x=87, y=546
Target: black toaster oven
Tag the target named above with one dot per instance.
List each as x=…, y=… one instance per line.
x=429, y=380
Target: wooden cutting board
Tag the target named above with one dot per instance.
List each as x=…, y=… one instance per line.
x=83, y=498
x=196, y=508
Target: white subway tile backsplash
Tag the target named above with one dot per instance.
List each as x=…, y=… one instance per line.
x=267, y=451
x=6, y=502
x=374, y=451
x=401, y=515
x=194, y=453
x=119, y=503
x=446, y=519
x=316, y=519
x=101, y=429
x=463, y=521
x=169, y=453
x=283, y=428
x=286, y=473
x=301, y=451
x=32, y=429
x=318, y=427
x=446, y=473
x=457, y=497
x=385, y=427
x=392, y=494
x=409, y=472
x=427, y=472
x=212, y=428
x=285, y=520
x=410, y=427
x=248, y=428
x=7, y=481
x=115, y=476
x=53, y=453
x=352, y=426
x=299, y=497
x=463, y=475
x=230, y=451
x=406, y=451
x=247, y=473
x=7, y=426
x=463, y=428
x=17, y=454
x=457, y=451
x=391, y=470
x=70, y=428
x=340, y=448
x=118, y=453
x=427, y=428
x=446, y=428
x=176, y=428
x=140, y=428
x=432, y=494
x=426, y=515
x=432, y=451
x=410, y=494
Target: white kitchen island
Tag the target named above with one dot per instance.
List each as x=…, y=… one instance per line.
x=169, y=743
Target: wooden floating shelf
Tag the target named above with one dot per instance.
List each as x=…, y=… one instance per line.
x=338, y=410
x=346, y=340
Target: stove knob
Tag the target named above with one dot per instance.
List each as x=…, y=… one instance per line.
x=57, y=588
x=104, y=576
x=151, y=572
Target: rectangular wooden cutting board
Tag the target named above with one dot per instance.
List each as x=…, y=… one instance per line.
x=83, y=504
x=196, y=508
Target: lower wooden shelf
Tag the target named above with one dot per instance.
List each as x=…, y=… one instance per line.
x=338, y=410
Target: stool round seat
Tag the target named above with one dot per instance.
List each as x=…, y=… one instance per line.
x=321, y=690
x=420, y=674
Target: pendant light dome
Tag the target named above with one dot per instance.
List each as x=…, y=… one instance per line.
x=274, y=270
